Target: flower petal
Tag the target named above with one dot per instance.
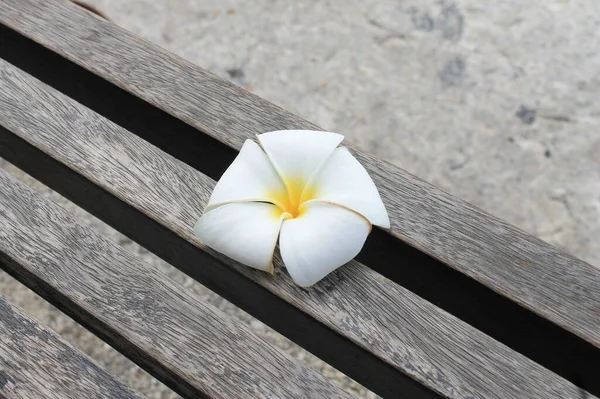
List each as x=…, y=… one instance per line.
x=251, y=177
x=245, y=231
x=344, y=181
x=321, y=239
x=297, y=154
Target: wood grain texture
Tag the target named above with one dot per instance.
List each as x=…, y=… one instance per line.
x=410, y=334
x=511, y=324
x=36, y=363
x=195, y=347
x=536, y=275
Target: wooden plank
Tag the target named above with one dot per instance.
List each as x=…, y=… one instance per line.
x=539, y=277
x=404, y=331
x=452, y=291
x=192, y=346
x=36, y=363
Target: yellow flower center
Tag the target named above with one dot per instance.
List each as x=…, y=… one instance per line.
x=291, y=199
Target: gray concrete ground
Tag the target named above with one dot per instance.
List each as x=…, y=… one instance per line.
x=495, y=102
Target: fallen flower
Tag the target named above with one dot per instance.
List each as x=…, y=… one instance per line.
x=318, y=199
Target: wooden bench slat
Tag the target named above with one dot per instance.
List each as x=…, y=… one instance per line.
x=36, y=363
x=193, y=347
x=541, y=278
x=405, y=331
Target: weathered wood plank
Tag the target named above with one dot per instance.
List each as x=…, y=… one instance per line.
x=527, y=270
x=408, y=333
x=36, y=363
x=513, y=325
x=192, y=346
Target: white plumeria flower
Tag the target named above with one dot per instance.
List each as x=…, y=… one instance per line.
x=318, y=199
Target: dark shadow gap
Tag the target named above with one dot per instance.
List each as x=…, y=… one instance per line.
x=152, y=124
x=540, y=340
x=504, y=320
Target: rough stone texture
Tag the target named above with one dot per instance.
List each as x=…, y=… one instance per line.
x=494, y=102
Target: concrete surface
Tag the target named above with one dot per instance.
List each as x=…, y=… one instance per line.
x=495, y=102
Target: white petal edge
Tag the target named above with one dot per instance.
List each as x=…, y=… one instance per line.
x=251, y=177
x=297, y=154
x=323, y=238
x=246, y=232
x=342, y=180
